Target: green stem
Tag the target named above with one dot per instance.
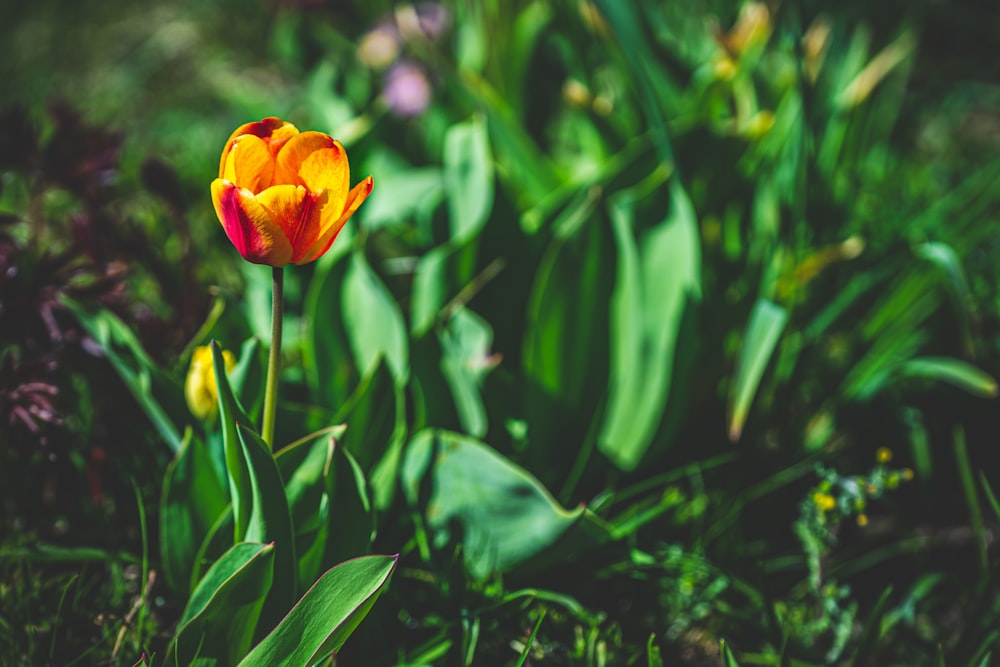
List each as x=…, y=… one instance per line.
x=274, y=360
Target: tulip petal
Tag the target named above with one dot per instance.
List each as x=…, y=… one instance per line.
x=250, y=164
x=327, y=170
x=274, y=131
x=317, y=161
x=249, y=226
x=294, y=209
x=329, y=231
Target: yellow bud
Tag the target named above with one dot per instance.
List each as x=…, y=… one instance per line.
x=200, y=389
x=862, y=520
x=576, y=93
x=824, y=501
x=883, y=455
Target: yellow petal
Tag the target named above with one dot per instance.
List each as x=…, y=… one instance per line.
x=250, y=164
x=331, y=226
x=327, y=170
x=274, y=131
x=294, y=209
x=315, y=160
x=249, y=226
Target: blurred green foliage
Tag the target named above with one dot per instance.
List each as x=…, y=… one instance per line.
x=631, y=273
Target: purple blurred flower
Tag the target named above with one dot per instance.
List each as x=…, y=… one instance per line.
x=407, y=91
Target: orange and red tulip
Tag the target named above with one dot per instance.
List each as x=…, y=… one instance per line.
x=283, y=195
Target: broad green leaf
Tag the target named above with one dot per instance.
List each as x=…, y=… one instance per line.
x=570, y=293
x=529, y=27
x=376, y=418
x=260, y=506
x=374, y=322
x=953, y=371
x=231, y=415
x=468, y=178
x=270, y=521
x=351, y=523
x=429, y=284
x=401, y=194
x=657, y=286
x=160, y=397
x=565, y=343
x=305, y=467
x=327, y=494
x=320, y=623
x=247, y=379
x=217, y=626
x=192, y=500
x=384, y=474
x=466, y=359
x=218, y=540
x=507, y=517
x=327, y=357
x=767, y=321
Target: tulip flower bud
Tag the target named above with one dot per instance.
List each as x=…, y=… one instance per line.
x=282, y=195
x=200, y=390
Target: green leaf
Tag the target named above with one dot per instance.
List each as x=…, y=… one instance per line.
x=376, y=415
x=351, y=522
x=305, y=467
x=465, y=344
x=867, y=643
x=374, y=322
x=161, y=397
x=429, y=284
x=327, y=357
x=657, y=285
x=565, y=358
x=327, y=495
x=270, y=521
x=260, y=506
x=653, y=657
x=728, y=657
x=218, y=540
x=569, y=293
x=468, y=178
x=247, y=379
x=327, y=614
x=658, y=95
x=192, y=501
x=759, y=341
x=231, y=414
x=402, y=193
x=990, y=496
x=948, y=263
x=507, y=517
x=953, y=371
x=217, y=626
x=530, y=643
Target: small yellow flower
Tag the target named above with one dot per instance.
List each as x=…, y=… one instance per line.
x=862, y=520
x=907, y=474
x=200, y=389
x=824, y=501
x=883, y=455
